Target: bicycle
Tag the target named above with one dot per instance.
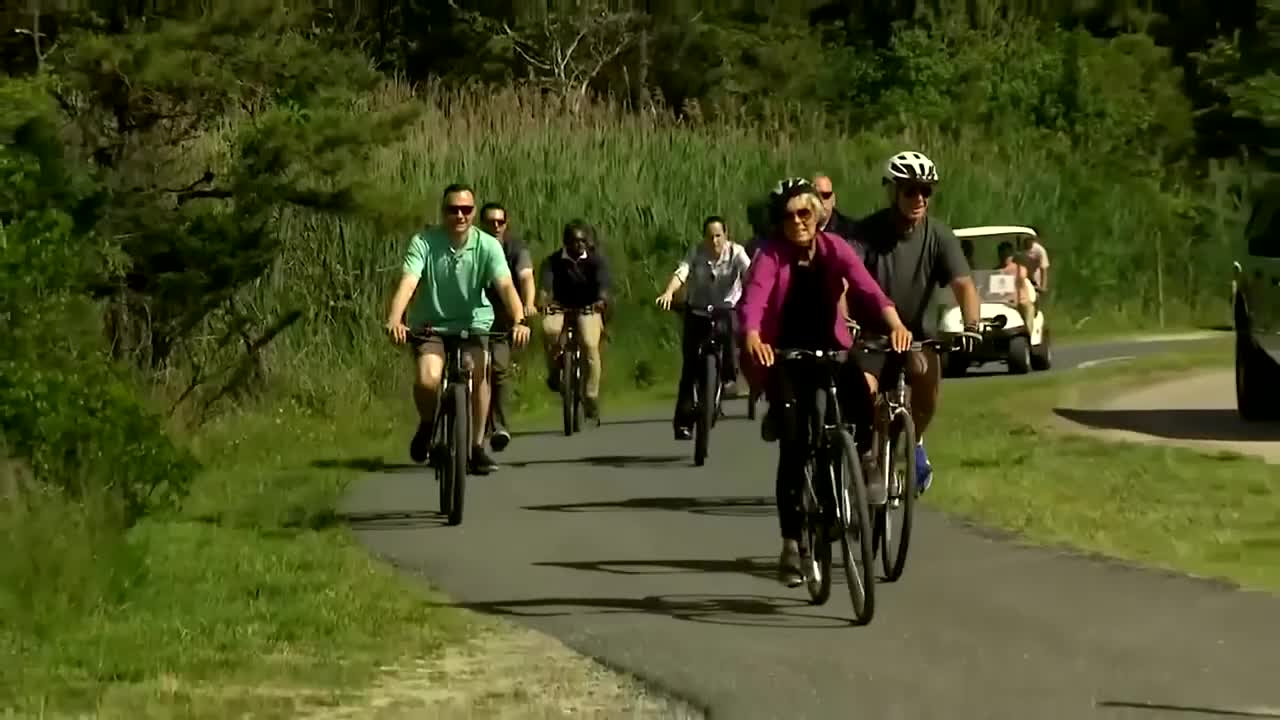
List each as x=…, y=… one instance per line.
x=708, y=385
x=895, y=431
x=451, y=427
x=833, y=457
x=572, y=379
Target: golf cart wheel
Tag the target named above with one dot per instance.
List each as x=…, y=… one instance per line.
x=1020, y=355
x=1042, y=354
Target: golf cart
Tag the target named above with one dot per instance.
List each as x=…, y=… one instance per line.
x=1005, y=336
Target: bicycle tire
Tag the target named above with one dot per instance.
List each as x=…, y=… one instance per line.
x=443, y=466
x=855, y=536
x=894, y=560
x=815, y=555
x=459, y=441
x=567, y=390
x=580, y=385
x=706, y=411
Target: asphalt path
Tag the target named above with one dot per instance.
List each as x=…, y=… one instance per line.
x=614, y=543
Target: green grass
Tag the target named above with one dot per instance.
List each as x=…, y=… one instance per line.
x=1004, y=462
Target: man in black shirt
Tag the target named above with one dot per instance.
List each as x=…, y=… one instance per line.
x=835, y=222
x=494, y=220
x=576, y=277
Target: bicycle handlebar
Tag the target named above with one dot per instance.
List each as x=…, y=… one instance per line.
x=427, y=332
x=799, y=354
x=554, y=309
x=880, y=343
x=703, y=310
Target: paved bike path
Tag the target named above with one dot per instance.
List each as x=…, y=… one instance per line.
x=614, y=543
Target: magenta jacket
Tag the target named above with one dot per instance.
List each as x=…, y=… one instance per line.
x=769, y=277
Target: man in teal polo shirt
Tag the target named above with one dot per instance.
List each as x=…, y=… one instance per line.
x=446, y=270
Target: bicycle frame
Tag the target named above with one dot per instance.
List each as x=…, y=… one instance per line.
x=824, y=417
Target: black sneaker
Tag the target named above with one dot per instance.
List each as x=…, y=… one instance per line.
x=481, y=463
x=421, y=443
x=769, y=426
x=500, y=440
x=683, y=433
x=789, y=572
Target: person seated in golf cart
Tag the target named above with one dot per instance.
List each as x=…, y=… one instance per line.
x=1024, y=295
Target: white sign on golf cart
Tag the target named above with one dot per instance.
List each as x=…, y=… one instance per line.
x=1001, y=284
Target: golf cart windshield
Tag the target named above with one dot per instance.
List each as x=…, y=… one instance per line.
x=994, y=286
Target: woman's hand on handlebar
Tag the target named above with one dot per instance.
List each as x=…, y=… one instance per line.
x=900, y=338
x=759, y=351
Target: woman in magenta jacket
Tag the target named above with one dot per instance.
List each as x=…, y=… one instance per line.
x=791, y=300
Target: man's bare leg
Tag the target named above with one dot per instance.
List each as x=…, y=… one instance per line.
x=428, y=372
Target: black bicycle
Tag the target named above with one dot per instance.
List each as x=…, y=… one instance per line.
x=709, y=388
x=573, y=381
x=451, y=433
x=895, y=446
x=834, y=498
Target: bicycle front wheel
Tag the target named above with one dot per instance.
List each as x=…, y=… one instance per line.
x=568, y=389
x=893, y=520
x=855, y=538
x=706, y=410
x=460, y=444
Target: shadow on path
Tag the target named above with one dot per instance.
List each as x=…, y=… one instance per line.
x=613, y=461
x=1191, y=709
x=740, y=610
x=730, y=506
x=1177, y=424
x=366, y=464
x=759, y=567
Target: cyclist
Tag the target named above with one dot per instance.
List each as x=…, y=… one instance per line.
x=576, y=276
x=713, y=272
x=446, y=270
x=791, y=300
x=910, y=253
x=494, y=220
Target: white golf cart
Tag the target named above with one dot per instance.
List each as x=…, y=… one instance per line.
x=1005, y=336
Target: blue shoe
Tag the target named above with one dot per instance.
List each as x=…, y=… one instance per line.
x=924, y=471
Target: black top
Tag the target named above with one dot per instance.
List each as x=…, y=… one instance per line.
x=576, y=283
x=518, y=259
x=807, y=315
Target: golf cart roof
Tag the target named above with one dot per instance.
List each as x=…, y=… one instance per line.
x=993, y=230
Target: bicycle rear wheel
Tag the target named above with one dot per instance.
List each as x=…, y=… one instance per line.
x=707, y=408
x=459, y=441
x=855, y=539
x=568, y=389
x=893, y=520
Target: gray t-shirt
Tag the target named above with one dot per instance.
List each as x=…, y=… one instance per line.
x=909, y=267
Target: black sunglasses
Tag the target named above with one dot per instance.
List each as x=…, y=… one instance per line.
x=827, y=195
x=923, y=191
x=464, y=210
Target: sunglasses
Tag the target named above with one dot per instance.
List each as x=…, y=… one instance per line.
x=496, y=222
x=915, y=191
x=803, y=214
x=463, y=210
x=827, y=195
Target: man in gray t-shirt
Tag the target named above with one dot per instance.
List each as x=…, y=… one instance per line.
x=910, y=254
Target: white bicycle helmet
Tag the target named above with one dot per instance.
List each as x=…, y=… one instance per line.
x=910, y=166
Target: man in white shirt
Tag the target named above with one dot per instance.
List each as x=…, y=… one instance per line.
x=1036, y=260
x=712, y=273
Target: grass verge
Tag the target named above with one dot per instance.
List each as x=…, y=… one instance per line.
x=1010, y=465
x=256, y=600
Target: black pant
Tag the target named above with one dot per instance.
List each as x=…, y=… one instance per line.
x=696, y=330
x=500, y=390
x=792, y=389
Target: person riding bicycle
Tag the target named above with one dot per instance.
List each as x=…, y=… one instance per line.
x=574, y=277
x=910, y=253
x=791, y=301
x=446, y=271
x=494, y=220
x=712, y=274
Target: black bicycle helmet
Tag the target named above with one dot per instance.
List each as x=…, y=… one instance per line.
x=784, y=191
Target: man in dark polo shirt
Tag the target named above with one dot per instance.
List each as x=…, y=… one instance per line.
x=910, y=253
x=576, y=276
x=494, y=220
x=834, y=221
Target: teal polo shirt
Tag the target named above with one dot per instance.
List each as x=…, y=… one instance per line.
x=450, y=294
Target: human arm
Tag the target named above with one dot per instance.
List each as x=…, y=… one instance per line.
x=604, y=280
x=863, y=292
x=678, y=278
x=751, y=308
x=498, y=275
x=952, y=271
x=1044, y=266
x=524, y=274
x=414, y=261
x=546, y=284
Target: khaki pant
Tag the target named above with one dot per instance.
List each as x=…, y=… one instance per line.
x=589, y=328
